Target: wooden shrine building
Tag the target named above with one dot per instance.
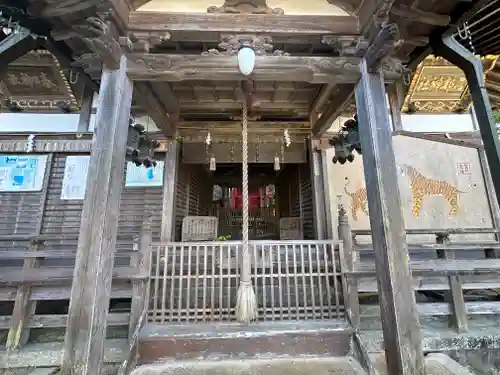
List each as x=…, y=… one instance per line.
x=130, y=248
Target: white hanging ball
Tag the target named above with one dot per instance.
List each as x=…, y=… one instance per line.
x=246, y=60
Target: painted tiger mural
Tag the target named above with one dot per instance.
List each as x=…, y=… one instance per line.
x=422, y=187
x=359, y=200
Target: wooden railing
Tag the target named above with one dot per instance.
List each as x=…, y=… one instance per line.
x=34, y=282
x=441, y=266
x=198, y=281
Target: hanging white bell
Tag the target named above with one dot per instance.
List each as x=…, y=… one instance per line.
x=246, y=60
x=213, y=165
x=208, y=139
x=277, y=163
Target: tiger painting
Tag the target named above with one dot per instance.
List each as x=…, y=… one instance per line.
x=359, y=200
x=422, y=187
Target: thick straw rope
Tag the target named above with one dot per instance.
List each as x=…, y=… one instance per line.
x=246, y=305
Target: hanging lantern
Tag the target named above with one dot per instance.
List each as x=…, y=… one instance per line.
x=212, y=166
x=246, y=60
x=277, y=163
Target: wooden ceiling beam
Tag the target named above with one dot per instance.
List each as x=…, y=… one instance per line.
x=145, y=97
x=313, y=69
x=166, y=95
x=319, y=101
x=338, y=104
x=242, y=23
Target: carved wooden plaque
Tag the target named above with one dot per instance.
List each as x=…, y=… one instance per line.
x=35, y=82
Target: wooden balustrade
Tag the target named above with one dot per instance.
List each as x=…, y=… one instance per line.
x=446, y=265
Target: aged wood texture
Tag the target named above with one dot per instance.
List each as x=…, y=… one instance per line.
x=342, y=97
x=318, y=188
x=396, y=99
x=86, y=109
x=25, y=305
x=242, y=23
x=148, y=100
x=142, y=261
x=313, y=69
x=169, y=188
x=347, y=257
x=96, y=244
x=397, y=300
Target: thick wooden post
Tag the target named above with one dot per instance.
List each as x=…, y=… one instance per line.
x=319, y=204
x=397, y=301
x=142, y=262
x=169, y=188
x=86, y=331
x=86, y=110
x=396, y=98
x=347, y=263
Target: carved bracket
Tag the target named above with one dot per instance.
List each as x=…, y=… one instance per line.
x=97, y=34
x=230, y=45
x=144, y=41
x=245, y=6
x=347, y=45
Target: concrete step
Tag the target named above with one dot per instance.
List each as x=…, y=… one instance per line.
x=160, y=342
x=435, y=364
x=271, y=366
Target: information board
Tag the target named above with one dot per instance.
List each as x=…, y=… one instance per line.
x=144, y=177
x=22, y=173
x=75, y=177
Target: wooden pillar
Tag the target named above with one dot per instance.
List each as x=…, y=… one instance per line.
x=397, y=301
x=86, y=110
x=449, y=48
x=319, y=213
x=396, y=98
x=330, y=216
x=90, y=292
x=169, y=190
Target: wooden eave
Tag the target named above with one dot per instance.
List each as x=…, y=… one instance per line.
x=175, y=53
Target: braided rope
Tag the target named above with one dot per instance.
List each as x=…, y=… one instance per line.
x=245, y=271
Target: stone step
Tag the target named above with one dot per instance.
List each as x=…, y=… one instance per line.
x=271, y=366
x=160, y=342
x=435, y=364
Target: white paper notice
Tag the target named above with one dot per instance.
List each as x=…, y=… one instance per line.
x=75, y=177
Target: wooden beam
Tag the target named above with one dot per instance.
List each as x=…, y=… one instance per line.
x=149, y=101
x=400, y=325
x=238, y=23
x=414, y=14
x=167, y=96
x=313, y=69
x=320, y=100
x=342, y=97
x=91, y=287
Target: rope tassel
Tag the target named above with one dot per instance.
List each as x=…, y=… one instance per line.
x=246, y=304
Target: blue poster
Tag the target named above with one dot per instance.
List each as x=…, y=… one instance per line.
x=144, y=177
x=20, y=173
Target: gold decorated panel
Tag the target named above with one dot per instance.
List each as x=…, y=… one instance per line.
x=440, y=87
